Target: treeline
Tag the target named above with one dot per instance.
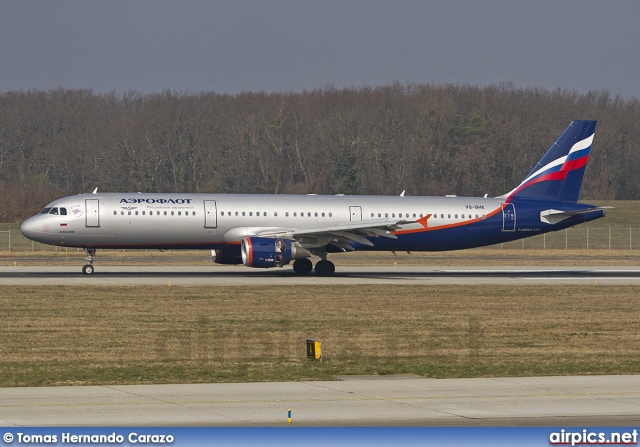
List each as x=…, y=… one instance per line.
x=423, y=138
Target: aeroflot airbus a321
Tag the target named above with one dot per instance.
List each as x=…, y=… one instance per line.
x=273, y=230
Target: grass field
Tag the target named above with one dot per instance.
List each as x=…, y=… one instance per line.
x=79, y=336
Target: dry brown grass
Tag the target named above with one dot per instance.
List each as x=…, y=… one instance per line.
x=76, y=335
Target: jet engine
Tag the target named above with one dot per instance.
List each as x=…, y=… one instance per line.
x=226, y=257
x=265, y=252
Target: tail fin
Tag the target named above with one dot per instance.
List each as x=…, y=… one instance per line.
x=558, y=175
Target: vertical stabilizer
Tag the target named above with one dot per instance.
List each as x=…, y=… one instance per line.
x=558, y=175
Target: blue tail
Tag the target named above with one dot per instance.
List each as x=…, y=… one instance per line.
x=558, y=175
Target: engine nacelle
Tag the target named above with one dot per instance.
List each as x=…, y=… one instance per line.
x=232, y=257
x=263, y=252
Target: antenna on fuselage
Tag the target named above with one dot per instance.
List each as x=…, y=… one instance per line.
x=95, y=191
x=402, y=194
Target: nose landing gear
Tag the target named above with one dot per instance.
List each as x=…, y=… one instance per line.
x=91, y=256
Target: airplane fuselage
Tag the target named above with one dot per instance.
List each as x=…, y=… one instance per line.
x=217, y=221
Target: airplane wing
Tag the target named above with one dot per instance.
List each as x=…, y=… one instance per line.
x=342, y=235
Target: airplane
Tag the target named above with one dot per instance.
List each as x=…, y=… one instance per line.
x=272, y=230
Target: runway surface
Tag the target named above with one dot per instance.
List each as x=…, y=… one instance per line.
x=354, y=401
x=345, y=275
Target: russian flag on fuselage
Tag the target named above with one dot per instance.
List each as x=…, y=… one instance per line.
x=558, y=175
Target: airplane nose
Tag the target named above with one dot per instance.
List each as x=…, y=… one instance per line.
x=29, y=228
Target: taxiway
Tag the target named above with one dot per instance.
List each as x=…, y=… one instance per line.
x=352, y=401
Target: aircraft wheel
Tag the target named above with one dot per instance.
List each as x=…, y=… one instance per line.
x=87, y=269
x=302, y=266
x=325, y=268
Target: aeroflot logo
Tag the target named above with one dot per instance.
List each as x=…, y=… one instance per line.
x=174, y=201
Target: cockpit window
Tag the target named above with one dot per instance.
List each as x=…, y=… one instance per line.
x=54, y=210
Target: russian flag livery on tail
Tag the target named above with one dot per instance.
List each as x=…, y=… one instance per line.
x=558, y=175
x=264, y=230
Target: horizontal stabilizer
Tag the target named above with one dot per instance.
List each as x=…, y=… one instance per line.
x=554, y=216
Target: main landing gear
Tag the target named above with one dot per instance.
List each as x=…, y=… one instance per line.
x=91, y=256
x=323, y=267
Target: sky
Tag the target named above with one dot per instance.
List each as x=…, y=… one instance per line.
x=291, y=45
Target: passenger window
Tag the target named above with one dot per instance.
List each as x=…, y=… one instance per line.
x=115, y=213
x=136, y=213
x=165, y=213
x=286, y=214
x=250, y=213
x=179, y=213
x=122, y=213
x=330, y=214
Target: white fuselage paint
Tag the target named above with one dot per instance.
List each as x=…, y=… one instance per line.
x=204, y=220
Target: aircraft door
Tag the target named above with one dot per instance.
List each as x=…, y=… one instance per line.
x=92, y=212
x=210, y=214
x=509, y=217
x=356, y=213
